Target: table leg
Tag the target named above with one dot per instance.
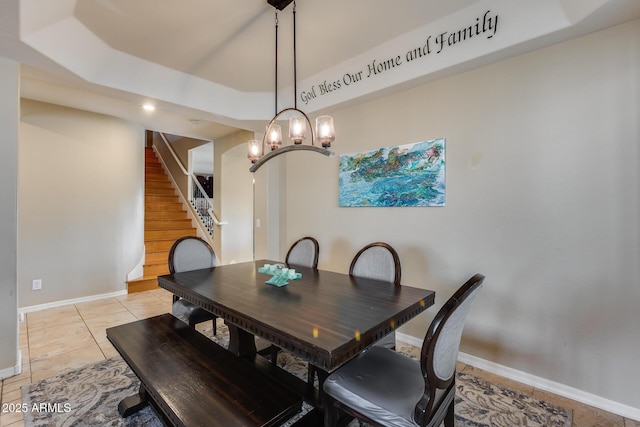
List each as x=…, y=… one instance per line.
x=241, y=342
x=132, y=404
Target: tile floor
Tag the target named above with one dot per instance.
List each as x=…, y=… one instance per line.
x=65, y=338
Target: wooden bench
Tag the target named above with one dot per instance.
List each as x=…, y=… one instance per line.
x=191, y=381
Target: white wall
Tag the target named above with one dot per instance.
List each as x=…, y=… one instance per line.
x=542, y=197
x=9, y=116
x=81, y=203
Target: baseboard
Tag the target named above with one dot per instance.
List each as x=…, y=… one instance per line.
x=538, y=382
x=32, y=308
x=16, y=370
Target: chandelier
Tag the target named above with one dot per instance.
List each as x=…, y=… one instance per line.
x=259, y=152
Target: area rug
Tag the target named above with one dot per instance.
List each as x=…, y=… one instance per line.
x=89, y=396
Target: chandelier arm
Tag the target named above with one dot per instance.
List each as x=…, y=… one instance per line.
x=313, y=139
x=287, y=149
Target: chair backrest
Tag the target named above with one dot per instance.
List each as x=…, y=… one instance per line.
x=440, y=348
x=191, y=253
x=377, y=261
x=304, y=253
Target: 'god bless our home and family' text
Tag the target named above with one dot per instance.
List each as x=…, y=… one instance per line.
x=486, y=26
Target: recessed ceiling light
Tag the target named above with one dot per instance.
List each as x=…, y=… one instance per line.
x=149, y=107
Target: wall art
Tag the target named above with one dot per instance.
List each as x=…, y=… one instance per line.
x=402, y=175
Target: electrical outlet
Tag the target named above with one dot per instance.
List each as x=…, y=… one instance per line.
x=36, y=285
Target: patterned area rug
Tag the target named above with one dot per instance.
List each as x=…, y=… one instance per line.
x=89, y=396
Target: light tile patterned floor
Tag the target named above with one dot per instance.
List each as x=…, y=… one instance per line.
x=65, y=338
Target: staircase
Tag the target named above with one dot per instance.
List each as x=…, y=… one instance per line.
x=164, y=222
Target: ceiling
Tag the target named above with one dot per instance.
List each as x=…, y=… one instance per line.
x=208, y=66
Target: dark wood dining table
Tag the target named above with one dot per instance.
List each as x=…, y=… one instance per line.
x=325, y=318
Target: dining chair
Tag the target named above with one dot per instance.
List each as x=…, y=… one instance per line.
x=381, y=262
x=386, y=388
x=378, y=261
x=186, y=254
x=304, y=252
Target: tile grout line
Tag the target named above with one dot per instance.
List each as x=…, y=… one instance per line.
x=102, y=350
x=90, y=332
x=26, y=320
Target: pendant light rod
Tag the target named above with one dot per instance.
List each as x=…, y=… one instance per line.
x=295, y=74
x=276, y=62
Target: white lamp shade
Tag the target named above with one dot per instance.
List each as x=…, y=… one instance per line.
x=297, y=129
x=254, y=150
x=324, y=130
x=274, y=136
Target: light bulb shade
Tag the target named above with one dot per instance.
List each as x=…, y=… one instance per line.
x=325, y=132
x=297, y=129
x=254, y=150
x=274, y=136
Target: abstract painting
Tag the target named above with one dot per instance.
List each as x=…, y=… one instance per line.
x=403, y=175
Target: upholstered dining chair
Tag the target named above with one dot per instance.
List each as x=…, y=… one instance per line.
x=303, y=252
x=381, y=262
x=186, y=254
x=378, y=261
x=386, y=388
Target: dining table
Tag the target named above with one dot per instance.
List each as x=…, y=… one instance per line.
x=322, y=317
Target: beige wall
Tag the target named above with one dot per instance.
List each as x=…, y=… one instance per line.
x=233, y=188
x=9, y=117
x=81, y=203
x=271, y=208
x=542, y=197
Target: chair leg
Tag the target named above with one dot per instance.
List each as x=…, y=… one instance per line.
x=450, y=416
x=215, y=331
x=311, y=374
x=331, y=413
x=274, y=355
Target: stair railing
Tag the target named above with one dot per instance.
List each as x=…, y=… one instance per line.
x=198, y=198
x=203, y=205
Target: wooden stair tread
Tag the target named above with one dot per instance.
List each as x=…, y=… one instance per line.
x=150, y=185
x=164, y=208
x=160, y=191
x=144, y=278
x=165, y=224
x=165, y=215
x=161, y=197
x=155, y=238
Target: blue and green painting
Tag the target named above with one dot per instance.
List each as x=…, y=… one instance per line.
x=403, y=175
